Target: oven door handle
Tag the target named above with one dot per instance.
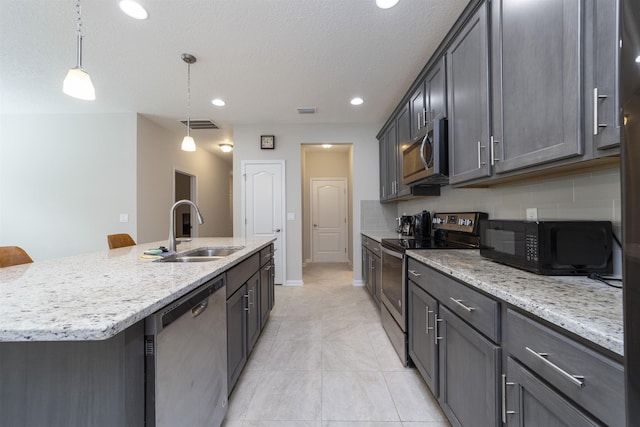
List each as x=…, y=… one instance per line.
x=392, y=253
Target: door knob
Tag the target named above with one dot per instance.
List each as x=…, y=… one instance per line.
x=315, y=225
x=277, y=230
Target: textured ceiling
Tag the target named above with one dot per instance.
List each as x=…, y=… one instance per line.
x=265, y=58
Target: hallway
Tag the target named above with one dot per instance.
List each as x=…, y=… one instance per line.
x=323, y=360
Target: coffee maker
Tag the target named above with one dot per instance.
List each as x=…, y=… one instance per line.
x=422, y=225
x=406, y=225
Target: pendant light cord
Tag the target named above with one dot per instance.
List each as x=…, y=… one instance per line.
x=188, y=99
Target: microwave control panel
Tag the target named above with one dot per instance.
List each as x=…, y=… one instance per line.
x=531, y=247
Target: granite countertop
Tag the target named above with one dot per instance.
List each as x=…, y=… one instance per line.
x=585, y=307
x=378, y=235
x=97, y=295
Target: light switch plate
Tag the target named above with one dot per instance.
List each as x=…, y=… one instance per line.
x=124, y=217
x=532, y=214
x=291, y=216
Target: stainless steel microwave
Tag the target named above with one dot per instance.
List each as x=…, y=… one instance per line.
x=576, y=248
x=425, y=160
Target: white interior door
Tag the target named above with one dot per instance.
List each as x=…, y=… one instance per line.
x=264, y=206
x=329, y=220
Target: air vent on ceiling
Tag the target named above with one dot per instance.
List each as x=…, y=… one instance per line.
x=308, y=110
x=200, y=124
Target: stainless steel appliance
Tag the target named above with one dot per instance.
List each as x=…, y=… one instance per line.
x=570, y=248
x=451, y=231
x=425, y=160
x=422, y=225
x=186, y=360
x=630, y=98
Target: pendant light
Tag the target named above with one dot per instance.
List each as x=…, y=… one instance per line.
x=188, y=144
x=78, y=83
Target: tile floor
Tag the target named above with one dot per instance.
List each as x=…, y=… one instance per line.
x=323, y=360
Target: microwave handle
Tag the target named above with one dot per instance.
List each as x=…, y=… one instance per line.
x=424, y=141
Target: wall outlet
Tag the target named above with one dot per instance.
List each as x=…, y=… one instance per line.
x=532, y=214
x=124, y=217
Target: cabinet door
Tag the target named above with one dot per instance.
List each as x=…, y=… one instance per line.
x=537, y=69
x=403, y=129
x=606, y=122
x=417, y=110
x=529, y=402
x=469, y=372
x=436, y=85
x=272, y=282
x=366, y=266
x=376, y=277
x=423, y=348
x=468, y=100
x=385, y=190
x=265, y=294
x=391, y=139
x=236, y=335
x=253, y=314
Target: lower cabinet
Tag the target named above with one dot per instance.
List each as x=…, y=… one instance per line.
x=250, y=298
x=469, y=369
x=530, y=402
x=423, y=350
x=372, y=267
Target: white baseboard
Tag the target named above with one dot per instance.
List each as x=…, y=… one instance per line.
x=294, y=283
x=358, y=283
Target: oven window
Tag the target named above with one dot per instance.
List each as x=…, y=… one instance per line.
x=392, y=276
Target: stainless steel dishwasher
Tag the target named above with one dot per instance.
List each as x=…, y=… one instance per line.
x=186, y=360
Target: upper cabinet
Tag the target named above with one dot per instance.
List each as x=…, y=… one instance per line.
x=536, y=70
x=429, y=100
x=468, y=100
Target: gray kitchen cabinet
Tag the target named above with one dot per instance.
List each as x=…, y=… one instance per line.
x=388, y=163
x=468, y=100
x=417, y=108
x=382, y=156
x=606, y=115
x=236, y=336
x=253, y=311
x=451, y=336
x=423, y=312
x=403, y=129
x=266, y=285
x=436, y=90
x=469, y=371
x=536, y=69
x=586, y=378
x=529, y=402
x=371, y=267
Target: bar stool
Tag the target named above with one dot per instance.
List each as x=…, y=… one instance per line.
x=13, y=255
x=120, y=240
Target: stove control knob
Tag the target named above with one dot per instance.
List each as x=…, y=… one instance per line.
x=461, y=221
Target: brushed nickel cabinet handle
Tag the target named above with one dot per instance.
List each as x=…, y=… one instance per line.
x=504, y=399
x=596, y=98
x=415, y=273
x=480, y=148
x=459, y=302
x=427, y=312
x=574, y=379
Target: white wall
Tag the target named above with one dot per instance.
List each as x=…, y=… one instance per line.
x=288, y=141
x=64, y=180
x=159, y=155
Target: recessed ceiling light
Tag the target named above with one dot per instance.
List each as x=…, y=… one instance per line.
x=357, y=101
x=133, y=9
x=218, y=102
x=327, y=146
x=386, y=4
x=226, y=148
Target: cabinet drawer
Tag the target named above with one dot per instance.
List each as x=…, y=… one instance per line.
x=266, y=254
x=478, y=310
x=590, y=379
x=238, y=275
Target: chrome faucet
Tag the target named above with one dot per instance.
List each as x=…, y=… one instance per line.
x=172, y=219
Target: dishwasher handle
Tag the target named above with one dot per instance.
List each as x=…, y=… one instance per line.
x=196, y=302
x=200, y=308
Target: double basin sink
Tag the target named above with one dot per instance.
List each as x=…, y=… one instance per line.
x=203, y=254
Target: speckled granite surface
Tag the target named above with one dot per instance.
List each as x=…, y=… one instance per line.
x=95, y=296
x=589, y=309
x=379, y=235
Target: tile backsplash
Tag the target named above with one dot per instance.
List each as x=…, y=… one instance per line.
x=589, y=196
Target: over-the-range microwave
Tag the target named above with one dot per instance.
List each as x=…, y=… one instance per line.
x=549, y=247
x=425, y=160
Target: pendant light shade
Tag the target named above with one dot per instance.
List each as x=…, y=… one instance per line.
x=78, y=83
x=188, y=144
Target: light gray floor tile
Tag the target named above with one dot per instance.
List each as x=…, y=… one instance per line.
x=295, y=356
x=427, y=424
x=232, y=423
x=281, y=395
x=260, y=355
x=282, y=424
x=412, y=398
x=356, y=396
x=303, y=330
x=242, y=394
x=361, y=424
x=348, y=355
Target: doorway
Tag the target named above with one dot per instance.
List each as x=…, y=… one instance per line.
x=184, y=189
x=329, y=219
x=328, y=162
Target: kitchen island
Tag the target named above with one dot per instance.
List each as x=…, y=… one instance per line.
x=72, y=331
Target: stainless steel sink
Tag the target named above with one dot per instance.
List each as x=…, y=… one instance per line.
x=204, y=254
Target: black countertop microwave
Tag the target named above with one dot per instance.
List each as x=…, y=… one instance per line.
x=575, y=248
